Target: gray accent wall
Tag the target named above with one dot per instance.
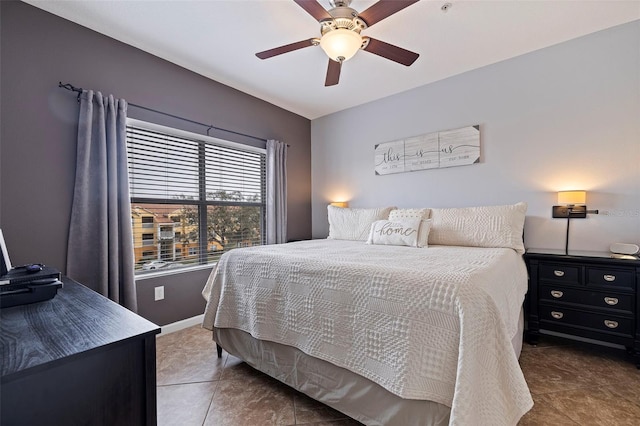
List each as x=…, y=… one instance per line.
x=564, y=117
x=39, y=125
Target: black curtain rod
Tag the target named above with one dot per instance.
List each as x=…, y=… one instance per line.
x=79, y=90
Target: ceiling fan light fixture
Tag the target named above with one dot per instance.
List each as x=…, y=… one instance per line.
x=340, y=38
x=341, y=44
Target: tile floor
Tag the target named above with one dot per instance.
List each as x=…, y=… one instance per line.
x=571, y=384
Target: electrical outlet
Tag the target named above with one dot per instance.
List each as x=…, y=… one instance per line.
x=159, y=293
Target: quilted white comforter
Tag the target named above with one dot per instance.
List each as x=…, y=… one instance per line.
x=433, y=323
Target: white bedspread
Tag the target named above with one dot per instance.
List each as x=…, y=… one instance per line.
x=433, y=323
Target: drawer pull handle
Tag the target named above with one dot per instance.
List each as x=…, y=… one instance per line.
x=559, y=315
x=558, y=273
x=611, y=300
x=611, y=323
x=609, y=278
x=556, y=293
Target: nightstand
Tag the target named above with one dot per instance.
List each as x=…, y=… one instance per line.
x=585, y=294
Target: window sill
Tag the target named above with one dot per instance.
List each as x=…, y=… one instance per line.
x=140, y=277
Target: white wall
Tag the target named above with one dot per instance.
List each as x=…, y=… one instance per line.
x=564, y=117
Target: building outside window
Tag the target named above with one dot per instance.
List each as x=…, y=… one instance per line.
x=148, y=255
x=193, y=197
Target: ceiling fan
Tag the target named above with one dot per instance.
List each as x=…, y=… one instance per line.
x=340, y=29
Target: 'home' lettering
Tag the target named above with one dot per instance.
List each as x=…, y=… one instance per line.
x=388, y=229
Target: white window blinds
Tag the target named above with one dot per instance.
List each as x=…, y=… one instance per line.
x=192, y=197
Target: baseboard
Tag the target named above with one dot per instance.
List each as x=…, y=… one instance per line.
x=182, y=324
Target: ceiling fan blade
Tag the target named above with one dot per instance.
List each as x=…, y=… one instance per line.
x=389, y=51
x=314, y=9
x=286, y=48
x=333, y=73
x=383, y=9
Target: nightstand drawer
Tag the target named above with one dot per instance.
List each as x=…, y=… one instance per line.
x=607, y=277
x=605, y=300
x=560, y=273
x=586, y=320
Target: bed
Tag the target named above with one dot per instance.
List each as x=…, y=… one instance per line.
x=388, y=333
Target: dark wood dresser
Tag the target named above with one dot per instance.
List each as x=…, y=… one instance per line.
x=590, y=295
x=77, y=359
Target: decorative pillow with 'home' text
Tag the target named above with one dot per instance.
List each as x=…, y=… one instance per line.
x=395, y=233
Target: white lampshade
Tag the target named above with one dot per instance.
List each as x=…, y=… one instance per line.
x=572, y=197
x=341, y=44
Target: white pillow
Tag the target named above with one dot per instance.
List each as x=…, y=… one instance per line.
x=407, y=214
x=403, y=214
x=353, y=224
x=490, y=226
x=404, y=233
x=423, y=234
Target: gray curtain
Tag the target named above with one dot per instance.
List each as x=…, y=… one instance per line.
x=276, y=192
x=100, y=250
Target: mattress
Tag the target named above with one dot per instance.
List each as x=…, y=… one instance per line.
x=424, y=324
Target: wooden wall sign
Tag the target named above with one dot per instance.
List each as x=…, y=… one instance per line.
x=449, y=148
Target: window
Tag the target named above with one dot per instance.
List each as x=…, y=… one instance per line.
x=199, y=195
x=148, y=240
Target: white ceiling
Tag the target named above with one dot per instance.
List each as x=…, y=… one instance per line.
x=219, y=38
